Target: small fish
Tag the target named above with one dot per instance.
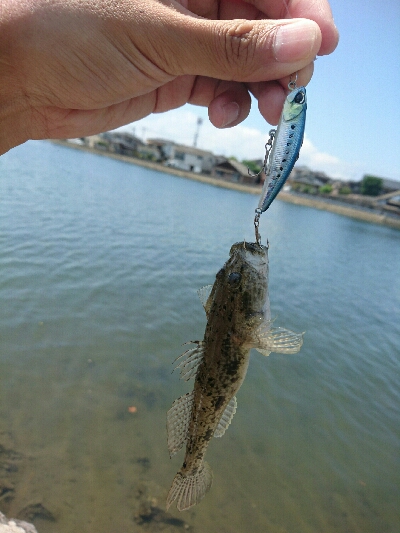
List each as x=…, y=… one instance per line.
x=286, y=146
x=238, y=319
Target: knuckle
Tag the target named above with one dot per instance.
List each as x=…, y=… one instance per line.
x=239, y=47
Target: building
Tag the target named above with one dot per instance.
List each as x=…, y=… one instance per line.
x=389, y=186
x=124, y=143
x=232, y=170
x=303, y=179
x=96, y=141
x=184, y=157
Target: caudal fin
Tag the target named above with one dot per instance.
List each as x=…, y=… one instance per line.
x=190, y=490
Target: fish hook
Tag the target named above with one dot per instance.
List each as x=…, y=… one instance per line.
x=268, y=147
x=256, y=226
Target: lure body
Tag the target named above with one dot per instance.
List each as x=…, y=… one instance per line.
x=286, y=146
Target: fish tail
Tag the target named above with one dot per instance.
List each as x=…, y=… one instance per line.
x=190, y=490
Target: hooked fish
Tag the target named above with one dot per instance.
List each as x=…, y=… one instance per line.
x=238, y=319
x=287, y=142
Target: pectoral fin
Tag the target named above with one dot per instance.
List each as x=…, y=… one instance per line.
x=178, y=420
x=226, y=418
x=279, y=340
x=191, y=360
x=204, y=294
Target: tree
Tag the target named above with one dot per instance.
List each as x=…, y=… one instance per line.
x=371, y=186
x=326, y=189
x=254, y=169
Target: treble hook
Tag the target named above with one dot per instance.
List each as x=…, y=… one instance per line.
x=268, y=146
x=256, y=225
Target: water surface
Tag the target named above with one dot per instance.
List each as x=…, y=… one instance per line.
x=100, y=262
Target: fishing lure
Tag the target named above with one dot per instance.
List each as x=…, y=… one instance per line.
x=283, y=147
x=287, y=141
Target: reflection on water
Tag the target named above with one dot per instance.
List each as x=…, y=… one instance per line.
x=100, y=262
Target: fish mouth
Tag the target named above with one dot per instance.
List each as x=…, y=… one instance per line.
x=252, y=247
x=255, y=315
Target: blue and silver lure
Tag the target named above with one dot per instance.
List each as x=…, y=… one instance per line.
x=287, y=141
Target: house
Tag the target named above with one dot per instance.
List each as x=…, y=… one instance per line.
x=303, y=179
x=184, y=157
x=78, y=140
x=389, y=186
x=256, y=162
x=390, y=202
x=96, y=141
x=121, y=142
x=232, y=170
x=394, y=200
x=151, y=153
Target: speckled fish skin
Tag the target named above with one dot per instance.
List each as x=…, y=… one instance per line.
x=286, y=146
x=238, y=319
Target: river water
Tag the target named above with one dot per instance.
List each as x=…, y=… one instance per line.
x=100, y=262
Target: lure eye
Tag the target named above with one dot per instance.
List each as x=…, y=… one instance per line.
x=234, y=279
x=299, y=98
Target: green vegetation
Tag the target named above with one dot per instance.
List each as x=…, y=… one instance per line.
x=254, y=169
x=309, y=189
x=301, y=187
x=325, y=189
x=345, y=190
x=371, y=186
x=146, y=156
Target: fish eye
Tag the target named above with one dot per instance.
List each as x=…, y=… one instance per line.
x=234, y=278
x=299, y=98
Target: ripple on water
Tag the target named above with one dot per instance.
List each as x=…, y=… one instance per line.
x=100, y=264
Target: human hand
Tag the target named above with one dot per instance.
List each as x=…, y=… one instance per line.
x=70, y=68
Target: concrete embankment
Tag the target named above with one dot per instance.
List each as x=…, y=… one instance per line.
x=374, y=217
x=158, y=167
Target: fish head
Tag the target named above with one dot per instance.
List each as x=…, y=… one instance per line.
x=244, y=284
x=295, y=104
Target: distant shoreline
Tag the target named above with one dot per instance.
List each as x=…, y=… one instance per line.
x=293, y=198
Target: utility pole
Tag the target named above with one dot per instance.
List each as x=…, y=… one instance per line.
x=196, y=135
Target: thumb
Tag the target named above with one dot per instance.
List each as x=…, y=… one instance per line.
x=239, y=50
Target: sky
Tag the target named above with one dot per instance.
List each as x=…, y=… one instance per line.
x=353, y=115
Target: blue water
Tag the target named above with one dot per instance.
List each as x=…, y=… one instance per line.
x=100, y=261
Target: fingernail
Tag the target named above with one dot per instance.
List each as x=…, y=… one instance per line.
x=230, y=113
x=295, y=41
